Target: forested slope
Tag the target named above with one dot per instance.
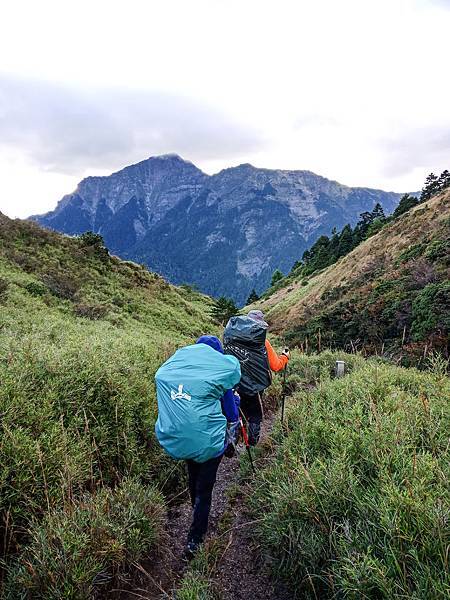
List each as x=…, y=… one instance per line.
x=389, y=295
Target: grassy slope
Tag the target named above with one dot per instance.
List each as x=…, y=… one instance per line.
x=81, y=335
x=369, y=296
x=354, y=503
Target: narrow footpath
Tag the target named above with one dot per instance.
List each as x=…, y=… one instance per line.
x=237, y=572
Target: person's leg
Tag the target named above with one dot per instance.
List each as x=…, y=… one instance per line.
x=206, y=478
x=192, y=469
x=251, y=407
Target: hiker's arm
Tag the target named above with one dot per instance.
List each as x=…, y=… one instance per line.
x=229, y=407
x=276, y=363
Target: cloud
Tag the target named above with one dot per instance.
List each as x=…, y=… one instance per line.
x=65, y=129
x=425, y=147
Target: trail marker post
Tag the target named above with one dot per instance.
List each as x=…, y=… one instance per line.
x=339, y=369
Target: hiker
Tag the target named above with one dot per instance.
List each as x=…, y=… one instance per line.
x=245, y=337
x=198, y=417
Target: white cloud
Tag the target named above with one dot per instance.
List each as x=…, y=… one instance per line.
x=341, y=88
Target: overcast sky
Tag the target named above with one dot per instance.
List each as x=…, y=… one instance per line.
x=355, y=90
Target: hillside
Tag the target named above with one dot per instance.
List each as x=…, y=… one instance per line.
x=81, y=475
x=226, y=233
x=390, y=294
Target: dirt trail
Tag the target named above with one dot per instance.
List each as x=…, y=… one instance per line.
x=238, y=572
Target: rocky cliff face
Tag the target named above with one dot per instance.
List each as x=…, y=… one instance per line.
x=226, y=233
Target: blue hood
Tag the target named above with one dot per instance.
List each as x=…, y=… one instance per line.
x=211, y=340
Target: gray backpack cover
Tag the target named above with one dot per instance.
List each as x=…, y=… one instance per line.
x=245, y=339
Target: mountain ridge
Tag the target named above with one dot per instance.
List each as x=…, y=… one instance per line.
x=248, y=221
x=389, y=294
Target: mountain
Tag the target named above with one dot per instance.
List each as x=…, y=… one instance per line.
x=226, y=233
x=390, y=295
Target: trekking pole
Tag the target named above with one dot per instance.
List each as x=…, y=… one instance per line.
x=283, y=392
x=247, y=444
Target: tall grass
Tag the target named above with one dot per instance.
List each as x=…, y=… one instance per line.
x=81, y=335
x=355, y=503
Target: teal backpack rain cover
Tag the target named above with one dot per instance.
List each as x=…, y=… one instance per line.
x=189, y=386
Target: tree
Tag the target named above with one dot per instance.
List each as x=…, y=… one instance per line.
x=375, y=227
x=444, y=180
x=276, y=277
x=345, y=241
x=253, y=297
x=378, y=213
x=430, y=188
x=223, y=309
x=406, y=203
x=89, y=238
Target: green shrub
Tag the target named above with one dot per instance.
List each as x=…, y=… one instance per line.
x=3, y=287
x=36, y=289
x=75, y=550
x=355, y=503
x=431, y=310
x=61, y=284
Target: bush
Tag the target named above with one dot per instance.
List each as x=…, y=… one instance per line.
x=76, y=550
x=61, y=285
x=91, y=311
x=431, y=310
x=353, y=504
x=36, y=289
x=3, y=287
x=89, y=238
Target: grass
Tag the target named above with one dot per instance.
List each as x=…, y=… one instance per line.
x=355, y=500
x=81, y=336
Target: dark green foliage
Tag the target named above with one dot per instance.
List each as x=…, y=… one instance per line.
x=406, y=203
x=430, y=188
x=434, y=185
x=3, y=287
x=353, y=504
x=36, y=289
x=223, y=309
x=62, y=284
x=431, y=310
x=89, y=238
x=326, y=251
x=253, y=297
x=346, y=242
x=412, y=252
x=276, y=277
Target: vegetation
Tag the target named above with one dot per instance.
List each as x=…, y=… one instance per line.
x=388, y=296
x=276, y=277
x=354, y=503
x=223, y=309
x=327, y=250
x=253, y=297
x=81, y=335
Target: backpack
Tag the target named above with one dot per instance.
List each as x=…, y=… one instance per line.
x=189, y=386
x=245, y=339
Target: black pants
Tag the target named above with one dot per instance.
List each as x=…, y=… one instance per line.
x=251, y=407
x=202, y=477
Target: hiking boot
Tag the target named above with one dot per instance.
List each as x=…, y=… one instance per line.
x=191, y=549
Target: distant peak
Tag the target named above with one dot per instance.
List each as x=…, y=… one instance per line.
x=170, y=156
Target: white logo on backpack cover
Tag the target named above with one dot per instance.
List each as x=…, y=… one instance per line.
x=180, y=394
